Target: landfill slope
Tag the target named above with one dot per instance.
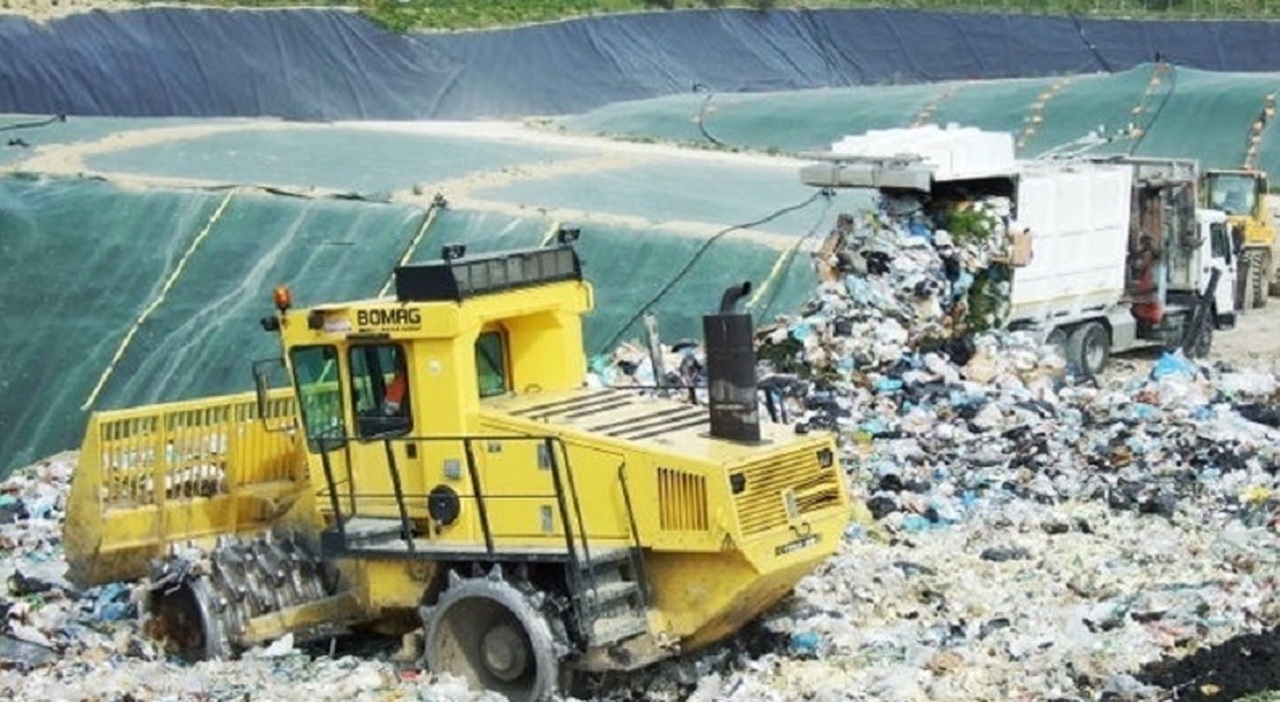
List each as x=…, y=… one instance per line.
x=1164, y=109
x=332, y=63
x=212, y=215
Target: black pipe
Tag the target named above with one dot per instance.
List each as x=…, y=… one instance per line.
x=731, y=296
x=731, y=370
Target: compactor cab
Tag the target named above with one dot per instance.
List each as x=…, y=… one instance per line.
x=1243, y=195
x=440, y=464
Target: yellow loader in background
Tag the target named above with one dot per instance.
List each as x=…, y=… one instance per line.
x=1244, y=195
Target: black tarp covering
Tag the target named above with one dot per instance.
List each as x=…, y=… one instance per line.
x=333, y=64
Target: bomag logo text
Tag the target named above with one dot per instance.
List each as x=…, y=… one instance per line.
x=400, y=318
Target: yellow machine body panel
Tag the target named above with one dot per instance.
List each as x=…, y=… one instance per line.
x=726, y=528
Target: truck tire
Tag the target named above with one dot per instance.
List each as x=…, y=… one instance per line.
x=1254, y=263
x=1262, y=280
x=1057, y=339
x=495, y=634
x=1089, y=348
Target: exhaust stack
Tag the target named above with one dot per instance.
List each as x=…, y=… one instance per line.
x=731, y=369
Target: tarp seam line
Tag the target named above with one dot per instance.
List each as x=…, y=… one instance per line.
x=1088, y=44
x=164, y=290
x=688, y=265
x=428, y=217
x=784, y=261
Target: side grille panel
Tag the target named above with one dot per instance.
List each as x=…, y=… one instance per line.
x=784, y=488
x=682, y=501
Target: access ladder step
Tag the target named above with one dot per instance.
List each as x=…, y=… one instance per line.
x=605, y=594
x=602, y=557
x=364, y=529
x=608, y=630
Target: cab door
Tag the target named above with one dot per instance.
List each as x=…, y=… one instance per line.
x=385, y=458
x=1218, y=253
x=317, y=375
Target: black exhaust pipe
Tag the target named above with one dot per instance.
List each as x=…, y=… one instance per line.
x=731, y=369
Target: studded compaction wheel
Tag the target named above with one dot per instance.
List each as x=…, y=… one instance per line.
x=495, y=635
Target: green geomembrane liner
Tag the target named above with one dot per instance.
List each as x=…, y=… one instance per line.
x=161, y=245
x=1149, y=110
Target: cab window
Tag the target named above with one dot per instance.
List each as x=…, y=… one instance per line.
x=491, y=363
x=380, y=390
x=315, y=370
x=1219, y=241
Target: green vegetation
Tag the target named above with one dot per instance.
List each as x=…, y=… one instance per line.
x=405, y=15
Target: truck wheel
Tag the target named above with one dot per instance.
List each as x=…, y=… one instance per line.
x=1244, y=283
x=495, y=635
x=1089, y=348
x=1261, y=279
x=1058, y=340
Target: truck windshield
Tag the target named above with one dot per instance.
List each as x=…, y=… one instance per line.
x=315, y=370
x=1231, y=193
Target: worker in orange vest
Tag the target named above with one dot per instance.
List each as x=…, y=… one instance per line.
x=391, y=402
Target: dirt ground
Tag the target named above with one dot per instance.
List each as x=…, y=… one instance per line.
x=1253, y=342
x=42, y=10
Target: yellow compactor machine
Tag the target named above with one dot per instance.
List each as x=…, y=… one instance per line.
x=439, y=463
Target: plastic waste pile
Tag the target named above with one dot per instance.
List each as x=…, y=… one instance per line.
x=1025, y=536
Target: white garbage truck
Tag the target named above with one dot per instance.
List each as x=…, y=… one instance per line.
x=1109, y=254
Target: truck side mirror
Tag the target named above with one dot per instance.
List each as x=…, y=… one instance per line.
x=263, y=372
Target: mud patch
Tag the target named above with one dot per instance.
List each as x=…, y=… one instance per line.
x=1238, y=667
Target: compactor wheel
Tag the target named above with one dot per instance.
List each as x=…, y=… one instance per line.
x=495, y=635
x=184, y=618
x=200, y=601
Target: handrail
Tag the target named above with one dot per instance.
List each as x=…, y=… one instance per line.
x=564, y=484
x=560, y=504
x=406, y=530
x=577, y=505
x=575, y=565
x=333, y=494
x=475, y=487
x=638, y=557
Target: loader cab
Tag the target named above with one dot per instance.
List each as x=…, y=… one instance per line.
x=382, y=390
x=1238, y=193
x=386, y=387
